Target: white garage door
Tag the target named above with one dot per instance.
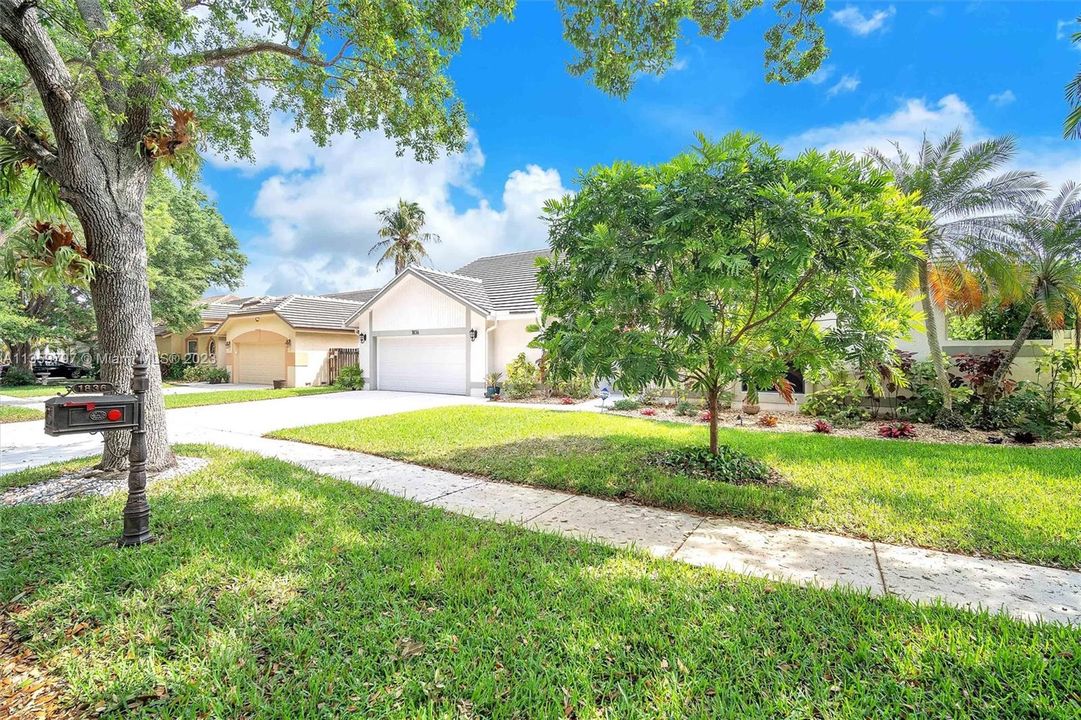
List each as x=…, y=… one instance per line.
x=422, y=363
x=261, y=363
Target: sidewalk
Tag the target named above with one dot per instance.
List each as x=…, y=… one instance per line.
x=1028, y=592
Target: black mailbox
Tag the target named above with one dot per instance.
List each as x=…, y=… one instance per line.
x=91, y=413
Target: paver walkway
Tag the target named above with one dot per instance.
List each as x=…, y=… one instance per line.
x=1029, y=592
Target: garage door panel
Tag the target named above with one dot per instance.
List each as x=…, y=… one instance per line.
x=260, y=363
x=422, y=363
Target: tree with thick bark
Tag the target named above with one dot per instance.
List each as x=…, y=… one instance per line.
x=727, y=263
x=402, y=240
x=1041, y=266
x=969, y=209
x=97, y=93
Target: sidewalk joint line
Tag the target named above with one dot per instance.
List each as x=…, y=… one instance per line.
x=686, y=538
x=526, y=521
x=450, y=492
x=878, y=564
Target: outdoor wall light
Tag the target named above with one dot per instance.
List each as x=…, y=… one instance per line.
x=288, y=342
x=473, y=335
x=362, y=337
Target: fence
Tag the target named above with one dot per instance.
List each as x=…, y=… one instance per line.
x=337, y=358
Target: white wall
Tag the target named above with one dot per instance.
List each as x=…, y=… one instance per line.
x=413, y=304
x=509, y=338
x=478, y=354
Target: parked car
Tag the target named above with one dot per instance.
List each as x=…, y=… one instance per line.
x=59, y=369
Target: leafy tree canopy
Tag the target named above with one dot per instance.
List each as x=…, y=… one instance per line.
x=191, y=250
x=338, y=67
x=728, y=262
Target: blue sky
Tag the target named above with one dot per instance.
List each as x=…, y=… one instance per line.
x=305, y=215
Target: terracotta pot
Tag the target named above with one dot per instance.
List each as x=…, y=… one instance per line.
x=749, y=409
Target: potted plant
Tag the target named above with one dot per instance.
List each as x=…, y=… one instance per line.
x=750, y=401
x=492, y=380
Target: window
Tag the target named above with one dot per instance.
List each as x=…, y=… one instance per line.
x=211, y=348
x=193, y=350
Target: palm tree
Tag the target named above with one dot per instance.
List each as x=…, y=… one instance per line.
x=403, y=242
x=969, y=208
x=1042, y=266
x=1072, y=126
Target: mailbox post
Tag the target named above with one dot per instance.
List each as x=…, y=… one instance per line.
x=137, y=509
x=77, y=413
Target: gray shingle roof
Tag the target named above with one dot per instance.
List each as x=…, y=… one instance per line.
x=218, y=310
x=467, y=288
x=510, y=281
x=361, y=296
x=208, y=330
x=303, y=311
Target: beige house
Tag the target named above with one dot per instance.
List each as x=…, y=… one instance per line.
x=284, y=338
x=198, y=344
x=440, y=332
x=262, y=340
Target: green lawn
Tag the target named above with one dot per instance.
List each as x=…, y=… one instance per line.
x=14, y=413
x=273, y=592
x=25, y=391
x=1009, y=502
x=223, y=397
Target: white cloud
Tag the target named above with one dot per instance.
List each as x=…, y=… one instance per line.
x=821, y=75
x=852, y=19
x=1065, y=29
x=1054, y=159
x=319, y=208
x=1002, y=99
x=847, y=84
x=906, y=125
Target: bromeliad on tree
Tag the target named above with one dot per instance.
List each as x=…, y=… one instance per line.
x=727, y=263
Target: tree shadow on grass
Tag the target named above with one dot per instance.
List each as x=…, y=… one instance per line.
x=619, y=466
x=277, y=593
x=1014, y=503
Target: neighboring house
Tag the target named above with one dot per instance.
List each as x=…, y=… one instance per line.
x=197, y=344
x=264, y=339
x=285, y=338
x=432, y=331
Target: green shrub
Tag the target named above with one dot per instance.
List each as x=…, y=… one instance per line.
x=843, y=399
x=686, y=408
x=728, y=465
x=625, y=404
x=205, y=373
x=521, y=379
x=924, y=402
x=18, y=376
x=350, y=377
x=579, y=385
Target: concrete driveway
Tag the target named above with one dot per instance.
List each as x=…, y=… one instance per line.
x=25, y=445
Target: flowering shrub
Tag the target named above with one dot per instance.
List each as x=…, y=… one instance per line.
x=566, y=400
x=648, y=412
x=822, y=426
x=705, y=416
x=897, y=430
x=768, y=420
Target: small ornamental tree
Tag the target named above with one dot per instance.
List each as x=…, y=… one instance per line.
x=729, y=262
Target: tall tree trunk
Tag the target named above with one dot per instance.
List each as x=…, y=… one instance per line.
x=112, y=220
x=930, y=324
x=20, y=354
x=711, y=396
x=1011, y=354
